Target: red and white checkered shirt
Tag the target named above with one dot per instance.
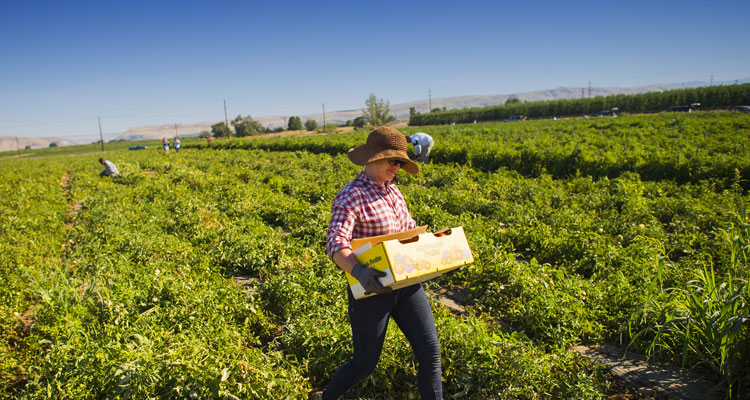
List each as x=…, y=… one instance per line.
x=363, y=209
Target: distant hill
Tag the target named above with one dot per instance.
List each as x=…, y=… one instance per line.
x=8, y=143
x=165, y=131
x=399, y=110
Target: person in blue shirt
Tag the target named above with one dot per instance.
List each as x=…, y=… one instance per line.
x=177, y=144
x=422, y=145
x=109, y=168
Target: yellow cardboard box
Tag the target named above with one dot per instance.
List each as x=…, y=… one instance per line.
x=410, y=257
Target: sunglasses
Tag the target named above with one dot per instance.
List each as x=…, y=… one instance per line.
x=394, y=162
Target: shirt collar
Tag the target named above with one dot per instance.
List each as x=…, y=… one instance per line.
x=366, y=180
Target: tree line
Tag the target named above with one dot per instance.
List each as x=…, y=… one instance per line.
x=711, y=97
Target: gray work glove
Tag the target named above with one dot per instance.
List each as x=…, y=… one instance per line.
x=368, y=277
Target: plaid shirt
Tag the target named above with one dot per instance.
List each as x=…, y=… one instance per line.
x=363, y=209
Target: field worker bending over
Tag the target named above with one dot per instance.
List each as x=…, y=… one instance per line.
x=109, y=168
x=372, y=205
x=422, y=145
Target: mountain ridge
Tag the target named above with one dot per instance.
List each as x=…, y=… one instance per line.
x=13, y=143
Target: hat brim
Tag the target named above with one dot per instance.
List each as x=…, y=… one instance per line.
x=362, y=155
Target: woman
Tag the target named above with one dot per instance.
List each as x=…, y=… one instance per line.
x=372, y=205
x=165, y=144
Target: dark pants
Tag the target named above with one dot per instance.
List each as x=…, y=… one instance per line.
x=411, y=311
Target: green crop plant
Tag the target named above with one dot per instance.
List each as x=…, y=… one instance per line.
x=581, y=229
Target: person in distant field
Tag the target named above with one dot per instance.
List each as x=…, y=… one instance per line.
x=422, y=145
x=165, y=143
x=109, y=168
x=372, y=205
x=177, y=144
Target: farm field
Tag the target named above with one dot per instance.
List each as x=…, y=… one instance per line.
x=88, y=148
x=629, y=231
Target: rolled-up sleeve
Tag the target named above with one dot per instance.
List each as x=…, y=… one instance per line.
x=340, y=228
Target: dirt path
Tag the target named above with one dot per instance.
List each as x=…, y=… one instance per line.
x=73, y=206
x=649, y=378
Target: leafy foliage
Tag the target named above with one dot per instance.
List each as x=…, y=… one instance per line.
x=295, y=123
x=311, y=124
x=377, y=112
x=247, y=126
x=124, y=287
x=220, y=129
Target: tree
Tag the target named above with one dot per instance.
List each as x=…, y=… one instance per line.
x=412, y=111
x=512, y=100
x=311, y=124
x=247, y=126
x=27, y=147
x=53, y=144
x=359, y=122
x=295, y=123
x=377, y=112
x=220, y=129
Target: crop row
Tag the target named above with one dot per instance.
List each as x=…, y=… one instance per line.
x=139, y=300
x=683, y=148
x=134, y=297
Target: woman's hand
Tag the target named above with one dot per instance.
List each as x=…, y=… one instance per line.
x=368, y=278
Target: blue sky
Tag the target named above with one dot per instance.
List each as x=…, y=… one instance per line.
x=63, y=64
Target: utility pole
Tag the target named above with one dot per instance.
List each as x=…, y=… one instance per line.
x=429, y=95
x=589, y=88
x=712, y=80
x=226, y=120
x=101, y=138
x=581, y=92
x=324, y=117
x=18, y=147
x=175, y=129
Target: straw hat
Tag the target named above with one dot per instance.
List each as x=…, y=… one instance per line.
x=383, y=143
